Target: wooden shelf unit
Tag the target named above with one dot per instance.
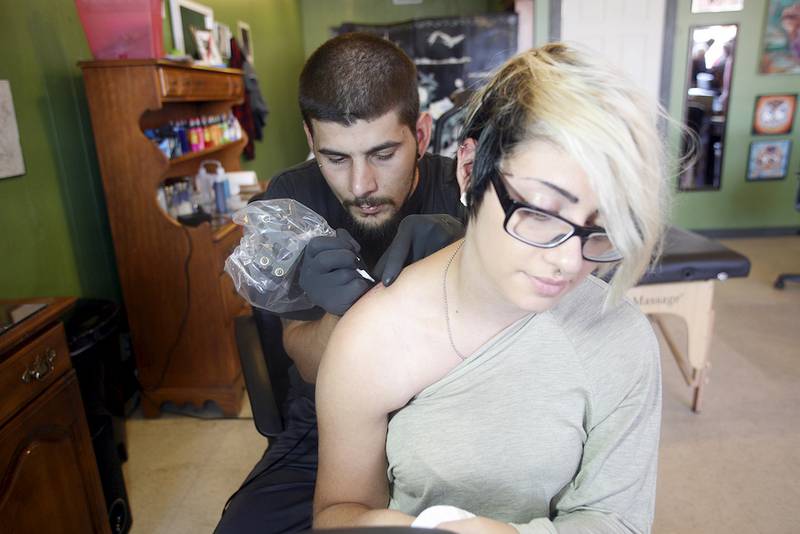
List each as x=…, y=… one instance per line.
x=180, y=303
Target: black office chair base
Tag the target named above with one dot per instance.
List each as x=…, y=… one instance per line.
x=780, y=282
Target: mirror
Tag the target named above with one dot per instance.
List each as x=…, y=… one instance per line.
x=705, y=108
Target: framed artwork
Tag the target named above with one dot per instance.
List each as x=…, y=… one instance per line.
x=774, y=114
x=768, y=160
x=716, y=6
x=222, y=35
x=780, y=48
x=206, y=47
x=246, y=40
x=186, y=15
x=11, y=162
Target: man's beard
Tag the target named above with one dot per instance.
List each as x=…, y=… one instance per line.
x=374, y=239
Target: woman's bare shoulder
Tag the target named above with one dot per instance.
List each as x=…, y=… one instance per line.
x=395, y=334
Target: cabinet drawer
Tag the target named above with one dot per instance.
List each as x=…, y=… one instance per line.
x=32, y=369
x=225, y=246
x=196, y=85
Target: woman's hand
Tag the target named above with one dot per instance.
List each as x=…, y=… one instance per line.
x=477, y=525
x=384, y=517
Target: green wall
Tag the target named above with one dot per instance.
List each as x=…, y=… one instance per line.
x=55, y=238
x=319, y=16
x=738, y=204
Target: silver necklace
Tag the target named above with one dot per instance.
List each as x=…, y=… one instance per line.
x=446, y=308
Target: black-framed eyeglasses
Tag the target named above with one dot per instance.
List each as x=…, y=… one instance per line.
x=544, y=229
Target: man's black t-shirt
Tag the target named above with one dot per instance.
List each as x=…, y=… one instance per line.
x=436, y=192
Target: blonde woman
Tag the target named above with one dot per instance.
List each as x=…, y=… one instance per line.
x=500, y=376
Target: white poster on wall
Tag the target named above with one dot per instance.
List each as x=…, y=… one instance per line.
x=11, y=163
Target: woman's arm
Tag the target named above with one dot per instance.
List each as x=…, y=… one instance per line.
x=360, y=382
x=614, y=489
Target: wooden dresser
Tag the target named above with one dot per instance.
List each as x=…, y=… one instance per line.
x=48, y=475
x=180, y=304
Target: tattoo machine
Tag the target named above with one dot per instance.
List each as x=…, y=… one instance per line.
x=265, y=266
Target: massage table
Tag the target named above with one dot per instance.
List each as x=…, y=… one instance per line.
x=682, y=284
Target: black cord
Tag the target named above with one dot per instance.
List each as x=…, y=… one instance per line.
x=184, y=318
x=264, y=469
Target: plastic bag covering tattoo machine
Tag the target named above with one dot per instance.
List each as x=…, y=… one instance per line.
x=266, y=264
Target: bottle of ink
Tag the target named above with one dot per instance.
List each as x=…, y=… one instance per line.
x=194, y=142
x=209, y=142
x=201, y=141
x=182, y=136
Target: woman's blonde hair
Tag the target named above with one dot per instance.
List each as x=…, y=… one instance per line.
x=598, y=117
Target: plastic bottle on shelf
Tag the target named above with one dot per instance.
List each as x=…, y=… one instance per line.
x=211, y=186
x=216, y=130
x=201, y=140
x=175, y=140
x=209, y=142
x=194, y=137
x=237, y=128
x=182, y=136
x=221, y=189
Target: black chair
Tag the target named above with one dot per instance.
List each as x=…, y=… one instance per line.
x=265, y=367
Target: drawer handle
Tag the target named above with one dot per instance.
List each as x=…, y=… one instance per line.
x=42, y=366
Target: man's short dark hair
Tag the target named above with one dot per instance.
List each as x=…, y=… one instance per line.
x=358, y=76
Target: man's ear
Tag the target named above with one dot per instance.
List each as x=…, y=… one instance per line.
x=466, y=159
x=309, y=137
x=423, y=133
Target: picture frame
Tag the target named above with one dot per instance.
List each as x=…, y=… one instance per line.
x=716, y=6
x=774, y=114
x=768, y=160
x=222, y=36
x=245, y=39
x=780, y=49
x=184, y=15
x=207, y=47
x=12, y=162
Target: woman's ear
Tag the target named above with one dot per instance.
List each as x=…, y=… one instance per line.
x=466, y=159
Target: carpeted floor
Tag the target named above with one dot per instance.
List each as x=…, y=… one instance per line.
x=735, y=468
x=732, y=469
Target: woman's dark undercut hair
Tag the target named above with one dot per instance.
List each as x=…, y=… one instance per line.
x=497, y=121
x=358, y=76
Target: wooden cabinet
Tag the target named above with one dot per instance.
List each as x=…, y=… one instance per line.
x=179, y=310
x=48, y=475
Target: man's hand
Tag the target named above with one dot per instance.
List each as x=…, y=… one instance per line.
x=328, y=272
x=417, y=237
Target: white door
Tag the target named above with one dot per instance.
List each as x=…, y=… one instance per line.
x=629, y=33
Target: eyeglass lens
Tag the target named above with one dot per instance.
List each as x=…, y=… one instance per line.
x=542, y=229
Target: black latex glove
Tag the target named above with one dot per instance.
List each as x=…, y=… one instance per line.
x=417, y=237
x=328, y=272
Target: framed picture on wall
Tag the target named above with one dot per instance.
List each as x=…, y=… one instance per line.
x=780, y=47
x=11, y=162
x=185, y=15
x=716, y=6
x=768, y=160
x=774, y=114
x=246, y=40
